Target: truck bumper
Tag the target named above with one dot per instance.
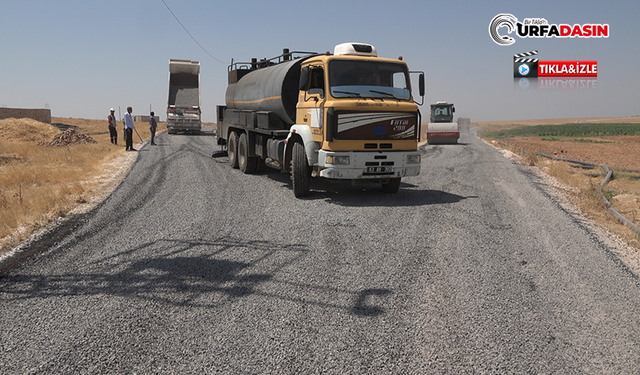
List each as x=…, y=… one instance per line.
x=188, y=125
x=369, y=165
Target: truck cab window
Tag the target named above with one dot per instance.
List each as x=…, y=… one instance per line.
x=317, y=82
x=400, y=80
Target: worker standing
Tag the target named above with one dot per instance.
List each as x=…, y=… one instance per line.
x=153, y=125
x=112, y=126
x=129, y=127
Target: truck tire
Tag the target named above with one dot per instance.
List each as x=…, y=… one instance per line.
x=300, y=175
x=392, y=185
x=247, y=164
x=232, y=149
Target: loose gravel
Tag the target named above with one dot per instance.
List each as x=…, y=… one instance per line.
x=193, y=267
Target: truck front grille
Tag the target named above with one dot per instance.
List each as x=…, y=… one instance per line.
x=369, y=146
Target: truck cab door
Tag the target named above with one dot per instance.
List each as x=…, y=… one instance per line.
x=312, y=99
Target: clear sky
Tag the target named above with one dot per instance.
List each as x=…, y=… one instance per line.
x=80, y=58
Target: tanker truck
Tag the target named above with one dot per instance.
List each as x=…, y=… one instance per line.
x=441, y=128
x=349, y=115
x=183, y=103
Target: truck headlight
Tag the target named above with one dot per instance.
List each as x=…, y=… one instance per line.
x=413, y=159
x=337, y=160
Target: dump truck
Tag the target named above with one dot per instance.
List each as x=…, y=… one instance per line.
x=349, y=116
x=183, y=104
x=441, y=128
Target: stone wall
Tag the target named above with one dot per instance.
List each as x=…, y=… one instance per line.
x=144, y=118
x=42, y=115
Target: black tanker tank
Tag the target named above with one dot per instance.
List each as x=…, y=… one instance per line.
x=273, y=89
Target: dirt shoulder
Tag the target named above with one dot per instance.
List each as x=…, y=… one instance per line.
x=41, y=227
x=33, y=226
x=52, y=175
x=618, y=152
x=580, y=187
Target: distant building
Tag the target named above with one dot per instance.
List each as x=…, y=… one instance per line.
x=144, y=118
x=38, y=114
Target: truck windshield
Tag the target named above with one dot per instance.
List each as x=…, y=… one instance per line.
x=369, y=79
x=441, y=114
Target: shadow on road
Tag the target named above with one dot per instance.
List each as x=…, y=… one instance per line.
x=194, y=274
x=406, y=197
x=369, y=194
x=363, y=307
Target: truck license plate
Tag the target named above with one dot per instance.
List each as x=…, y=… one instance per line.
x=379, y=169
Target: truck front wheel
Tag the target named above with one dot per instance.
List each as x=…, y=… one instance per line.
x=232, y=149
x=391, y=186
x=300, y=175
x=247, y=164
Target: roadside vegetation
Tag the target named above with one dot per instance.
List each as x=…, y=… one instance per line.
x=615, y=144
x=40, y=183
x=567, y=130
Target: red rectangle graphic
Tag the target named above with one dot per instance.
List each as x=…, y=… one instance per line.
x=571, y=68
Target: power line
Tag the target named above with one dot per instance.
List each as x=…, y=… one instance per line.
x=194, y=39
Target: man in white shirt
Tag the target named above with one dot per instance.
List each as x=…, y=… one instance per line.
x=129, y=127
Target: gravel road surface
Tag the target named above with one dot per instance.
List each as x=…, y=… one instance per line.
x=191, y=267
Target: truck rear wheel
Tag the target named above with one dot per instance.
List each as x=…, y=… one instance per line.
x=391, y=186
x=300, y=175
x=232, y=149
x=247, y=164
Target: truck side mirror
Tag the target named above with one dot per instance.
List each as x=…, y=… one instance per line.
x=453, y=109
x=304, y=78
x=421, y=84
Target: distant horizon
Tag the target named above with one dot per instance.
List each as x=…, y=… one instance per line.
x=472, y=120
x=80, y=59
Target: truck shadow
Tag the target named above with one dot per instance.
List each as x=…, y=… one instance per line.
x=374, y=197
x=370, y=194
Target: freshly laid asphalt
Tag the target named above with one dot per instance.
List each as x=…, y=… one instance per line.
x=193, y=267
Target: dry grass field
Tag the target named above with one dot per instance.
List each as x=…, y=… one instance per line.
x=582, y=187
x=39, y=183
